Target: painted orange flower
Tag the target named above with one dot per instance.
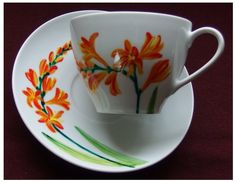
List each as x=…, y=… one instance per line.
x=95, y=79
x=51, y=56
x=88, y=49
x=32, y=77
x=113, y=85
x=128, y=57
x=67, y=46
x=48, y=84
x=159, y=72
x=151, y=47
x=43, y=84
x=58, y=58
x=84, y=68
x=44, y=68
x=60, y=99
x=59, y=50
x=32, y=97
x=50, y=118
x=128, y=61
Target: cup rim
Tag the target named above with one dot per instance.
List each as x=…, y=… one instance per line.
x=106, y=13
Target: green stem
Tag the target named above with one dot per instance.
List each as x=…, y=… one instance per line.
x=108, y=69
x=137, y=90
x=43, y=107
x=89, y=151
x=138, y=102
x=95, y=68
x=152, y=101
x=42, y=93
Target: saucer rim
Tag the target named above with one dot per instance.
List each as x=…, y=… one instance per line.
x=165, y=15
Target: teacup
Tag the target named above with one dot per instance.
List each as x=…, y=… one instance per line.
x=131, y=61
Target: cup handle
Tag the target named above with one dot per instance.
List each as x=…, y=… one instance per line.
x=220, y=48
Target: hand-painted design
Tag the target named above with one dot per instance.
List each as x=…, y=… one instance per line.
x=152, y=101
x=122, y=158
x=77, y=154
x=128, y=61
x=42, y=83
x=119, y=158
x=93, y=155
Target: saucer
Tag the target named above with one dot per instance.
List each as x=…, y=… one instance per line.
x=55, y=107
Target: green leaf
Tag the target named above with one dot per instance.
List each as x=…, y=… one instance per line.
x=88, y=150
x=78, y=154
x=152, y=101
x=111, y=152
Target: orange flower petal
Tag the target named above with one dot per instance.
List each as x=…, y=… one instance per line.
x=43, y=67
x=41, y=113
x=59, y=114
x=151, y=56
x=110, y=78
x=32, y=77
x=85, y=42
x=87, y=57
x=49, y=110
x=48, y=84
x=59, y=50
x=50, y=127
x=151, y=47
x=60, y=99
x=134, y=51
x=127, y=45
x=26, y=93
x=32, y=97
x=29, y=102
x=113, y=85
x=147, y=40
x=95, y=79
x=93, y=37
x=59, y=59
x=36, y=104
x=139, y=64
x=88, y=49
x=159, y=72
x=42, y=120
x=66, y=46
x=57, y=124
x=52, y=69
x=51, y=56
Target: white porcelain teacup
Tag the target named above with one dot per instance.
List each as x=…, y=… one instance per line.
x=131, y=61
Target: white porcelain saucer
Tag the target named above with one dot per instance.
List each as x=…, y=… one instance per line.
x=100, y=142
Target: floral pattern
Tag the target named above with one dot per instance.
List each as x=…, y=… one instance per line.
x=128, y=61
x=42, y=83
x=50, y=119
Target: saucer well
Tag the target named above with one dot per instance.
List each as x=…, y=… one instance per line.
x=55, y=107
